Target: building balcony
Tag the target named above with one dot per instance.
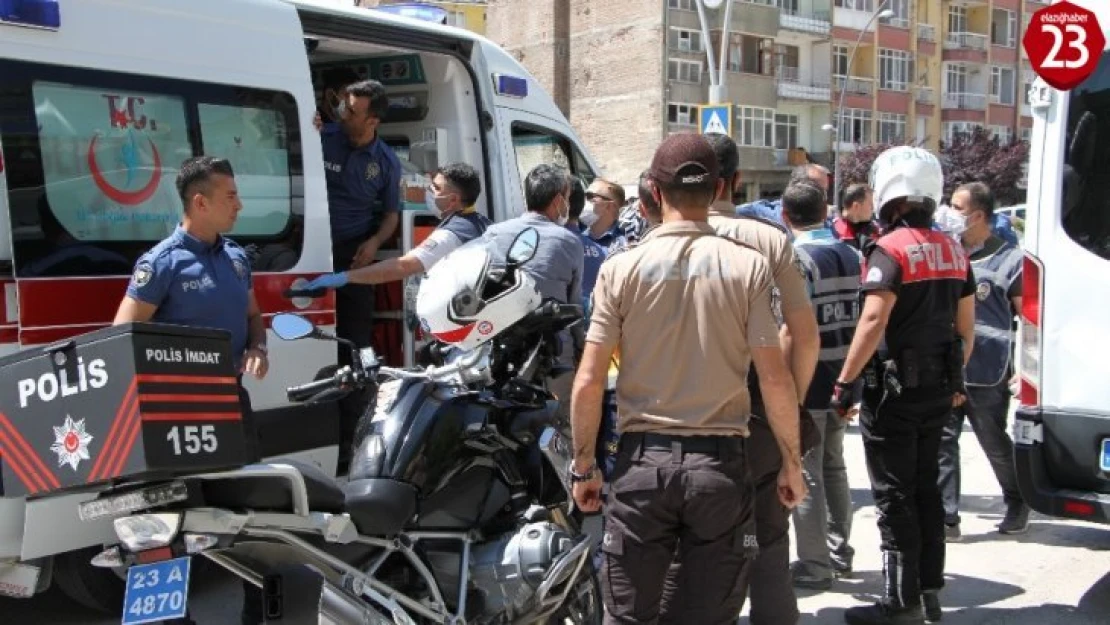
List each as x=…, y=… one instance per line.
x=924, y=95
x=792, y=87
x=966, y=41
x=857, y=85
x=965, y=101
x=817, y=23
x=927, y=32
x=794, y=157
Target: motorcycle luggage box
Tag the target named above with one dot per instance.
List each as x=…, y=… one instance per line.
x=131, y=402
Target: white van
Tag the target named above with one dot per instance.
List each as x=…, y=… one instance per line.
x=101, y=100
x=1062, y=426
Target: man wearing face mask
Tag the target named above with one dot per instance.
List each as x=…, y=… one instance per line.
x=557, y=265
x=451, y=195
x=997, y=268
x=856, y=224
x=604, y=200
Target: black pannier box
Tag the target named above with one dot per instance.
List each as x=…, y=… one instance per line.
x=130, y=402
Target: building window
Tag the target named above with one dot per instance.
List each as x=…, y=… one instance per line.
x=1002, y=85
x=892, y=128
x=840, y=60
x=684, y=71
x=685, y=40
x=756, y=127
x=682, y=113
x=855, y=5
x=901, y=10
x=952, y=130
x=955, y=79
x=857, y=126
x=1004, y=28
x=957, y=19
x=747, y=54
x=1004, y=134
x=1026, y=134
x=786, y=131
x=787, y=62
x=895, y=69
x=685, y=5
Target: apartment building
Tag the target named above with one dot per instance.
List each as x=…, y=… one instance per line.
x=627, y=74
x=935, y=69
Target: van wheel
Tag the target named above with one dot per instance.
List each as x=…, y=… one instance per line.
x=92, y=587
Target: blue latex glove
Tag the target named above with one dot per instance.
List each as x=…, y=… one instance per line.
x=327, y=281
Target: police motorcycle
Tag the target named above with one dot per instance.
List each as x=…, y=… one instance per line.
x=457, y=509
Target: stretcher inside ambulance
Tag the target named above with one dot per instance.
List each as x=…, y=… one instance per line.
x=100, y=103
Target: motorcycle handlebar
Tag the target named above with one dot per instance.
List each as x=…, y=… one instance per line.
x=307, y=391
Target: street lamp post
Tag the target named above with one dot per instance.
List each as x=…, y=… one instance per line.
x=881, y=13
x=716, y=80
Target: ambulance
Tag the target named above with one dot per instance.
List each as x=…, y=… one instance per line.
x=1062, y=424
x=101, y=100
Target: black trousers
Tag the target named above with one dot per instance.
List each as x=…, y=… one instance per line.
x=354, y=321
x=987, y=408
x=768, y=580
x=901, y=441
x=684, y=497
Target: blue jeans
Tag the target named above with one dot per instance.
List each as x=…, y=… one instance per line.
x=606, y=452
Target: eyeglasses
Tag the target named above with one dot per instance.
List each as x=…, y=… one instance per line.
x=591, y=196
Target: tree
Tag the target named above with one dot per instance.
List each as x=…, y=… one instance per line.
x=970, y=157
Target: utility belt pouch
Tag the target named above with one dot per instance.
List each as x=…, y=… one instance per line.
x=909, y=368
x=871, y=374
x=891, y=380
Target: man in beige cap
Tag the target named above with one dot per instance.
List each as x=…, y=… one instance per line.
x=680, y=486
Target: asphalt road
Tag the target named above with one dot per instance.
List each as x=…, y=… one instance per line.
x=1057, y=573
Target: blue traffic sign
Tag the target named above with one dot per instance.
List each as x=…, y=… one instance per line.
x=715, y=118
x=156, y=592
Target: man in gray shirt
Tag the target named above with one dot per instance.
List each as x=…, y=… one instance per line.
x=557, y=265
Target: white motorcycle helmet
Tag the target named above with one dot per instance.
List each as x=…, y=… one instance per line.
x=462, y=303
x=906, y=172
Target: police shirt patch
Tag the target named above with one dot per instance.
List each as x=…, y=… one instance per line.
x=874, y=275
x=143, y=273
x=240, y=268
x=983, y=291
x=373, y=170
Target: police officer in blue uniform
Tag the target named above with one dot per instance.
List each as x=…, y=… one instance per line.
x=997, y=268
x=197, y=277
x=823, y=521
x=913, y=339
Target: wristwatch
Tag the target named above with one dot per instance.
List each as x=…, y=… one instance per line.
x=581, y=477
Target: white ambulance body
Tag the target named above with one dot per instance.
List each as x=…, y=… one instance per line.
x=101, y=100
x=1062, y=426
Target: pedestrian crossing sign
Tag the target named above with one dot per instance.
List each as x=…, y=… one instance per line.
x=715, y=118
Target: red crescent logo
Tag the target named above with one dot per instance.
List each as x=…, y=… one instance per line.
x=127, y=198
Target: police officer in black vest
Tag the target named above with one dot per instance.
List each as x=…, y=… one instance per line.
x=915, y=335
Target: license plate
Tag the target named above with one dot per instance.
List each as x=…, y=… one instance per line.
x=156, y=592
x=1104, y=457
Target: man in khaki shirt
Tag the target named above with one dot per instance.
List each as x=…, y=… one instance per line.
x=689, y=311
x=772, y=591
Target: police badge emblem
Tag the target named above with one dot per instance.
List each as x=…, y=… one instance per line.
x=372, y=171
x=142, y=275
x=983, y=291
x=240, y=268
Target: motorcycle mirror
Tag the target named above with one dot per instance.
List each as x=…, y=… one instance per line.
x=368, y=358
x=290, y=327
x=523, y=247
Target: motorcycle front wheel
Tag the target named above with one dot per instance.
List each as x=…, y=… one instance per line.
x=584, y=605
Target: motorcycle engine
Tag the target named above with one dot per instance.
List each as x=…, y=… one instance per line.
x=507, y=571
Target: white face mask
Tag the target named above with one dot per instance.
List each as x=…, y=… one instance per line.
x=588, y=217
x=564, y=214
x=430, y=201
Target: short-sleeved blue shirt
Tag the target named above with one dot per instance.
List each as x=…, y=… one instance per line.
x=363, y=184
x=196, y=284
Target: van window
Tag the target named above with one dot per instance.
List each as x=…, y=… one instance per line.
x=93, y=158
x=534, y=146
x=1085, y=205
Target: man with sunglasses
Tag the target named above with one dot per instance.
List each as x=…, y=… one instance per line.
x=604, y=200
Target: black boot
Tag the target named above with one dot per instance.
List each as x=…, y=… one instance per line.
x=895, y=608
x=930, y=599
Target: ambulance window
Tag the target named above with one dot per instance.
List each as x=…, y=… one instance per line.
x=534, y=147
x=1085, y=205
x=255, y=141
